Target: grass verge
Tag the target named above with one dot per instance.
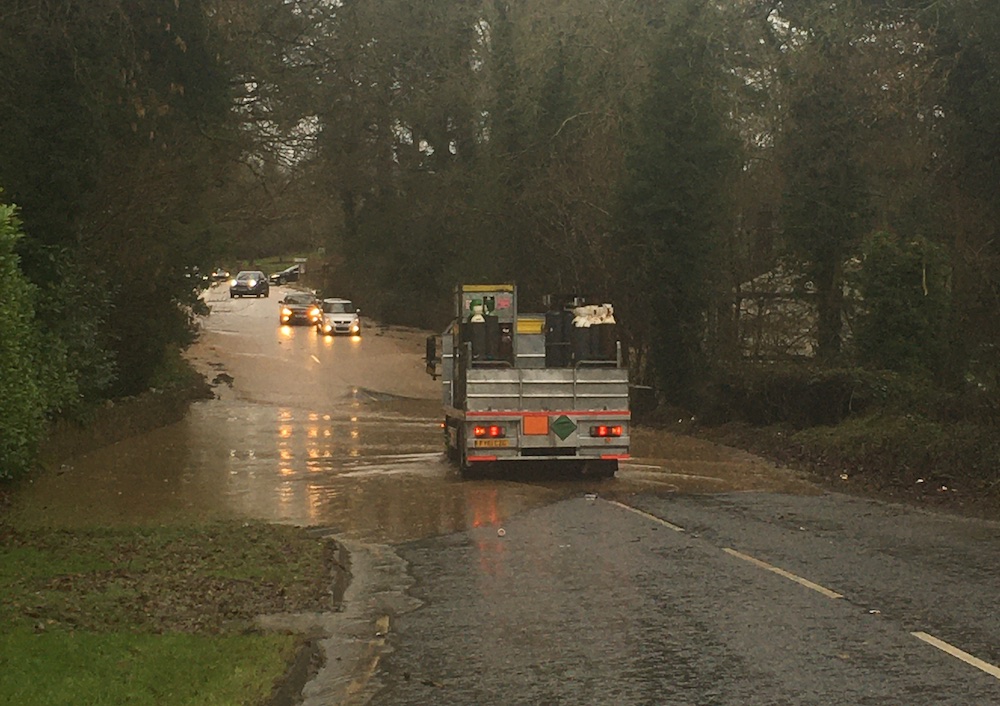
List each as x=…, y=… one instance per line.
x=154, y=615
x=79, y=669
x=950, y=466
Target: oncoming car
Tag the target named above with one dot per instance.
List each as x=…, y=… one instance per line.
x=249, y=283
x=300, y=308
x=340, y=316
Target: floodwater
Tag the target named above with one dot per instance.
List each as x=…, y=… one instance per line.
x=342, y=433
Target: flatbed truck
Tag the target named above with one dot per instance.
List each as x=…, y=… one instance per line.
x=531, y=387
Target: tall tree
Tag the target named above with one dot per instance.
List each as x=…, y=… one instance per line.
x=968, y=187
x=673, y=202
x=114, y=135
x=826, y=201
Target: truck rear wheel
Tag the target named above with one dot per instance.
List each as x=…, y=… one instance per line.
x=457, y=452
x=468, y=470
x=464, y=467
x=451, y=450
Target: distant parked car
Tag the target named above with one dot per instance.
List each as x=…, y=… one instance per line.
x=193, y=273
x=249, y=283
x=289, y=274
x=299, y=308
x=340, y=316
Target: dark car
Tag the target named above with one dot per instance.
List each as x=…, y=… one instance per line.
x=300, y=308
x=249, y=283
x=194, y=272
x=289, y=274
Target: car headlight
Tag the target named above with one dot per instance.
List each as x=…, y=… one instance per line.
x=286, y=312
x=232, y=283
x=314, y=313
x=251, y=283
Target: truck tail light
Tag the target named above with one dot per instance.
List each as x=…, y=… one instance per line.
x=603, y=430
x=493, y=431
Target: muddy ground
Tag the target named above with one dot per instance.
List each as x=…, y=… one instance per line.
x=862, y=478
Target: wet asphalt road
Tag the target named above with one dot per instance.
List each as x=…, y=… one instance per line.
x=699, y=575
x=587, y=602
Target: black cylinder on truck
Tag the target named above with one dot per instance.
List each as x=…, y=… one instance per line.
x=557, y=341
x=492, y=337
x=475, y=333
x=582, y=343
x=604, y=339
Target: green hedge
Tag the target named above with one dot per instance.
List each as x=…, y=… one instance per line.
x=805, y=395
x=21, y=357
x=900, y=449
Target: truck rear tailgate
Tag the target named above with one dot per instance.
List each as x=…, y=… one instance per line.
x=547, y=389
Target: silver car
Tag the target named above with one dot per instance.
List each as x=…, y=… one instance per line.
x=340, y=316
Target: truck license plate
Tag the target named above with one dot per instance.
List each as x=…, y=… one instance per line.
x=491, y=443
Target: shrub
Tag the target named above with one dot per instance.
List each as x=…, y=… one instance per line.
x=899, y=449
x=21, y=356
x=904, y=285
x=807, y=394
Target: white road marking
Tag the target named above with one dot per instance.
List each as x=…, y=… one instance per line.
x=959, y=654
x=756, y=562
x=674, y=488
x=654, y=518
x=781, y=572
x=314, y=358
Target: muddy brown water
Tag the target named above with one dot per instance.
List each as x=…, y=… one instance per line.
x=338, y=432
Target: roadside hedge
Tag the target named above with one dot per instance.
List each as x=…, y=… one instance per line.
x=804, y=395
x=23, y=409
x=801, y=395
x=881, y=429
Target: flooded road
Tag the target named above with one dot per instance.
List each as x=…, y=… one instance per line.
x=336, y=432
x=699, y=574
